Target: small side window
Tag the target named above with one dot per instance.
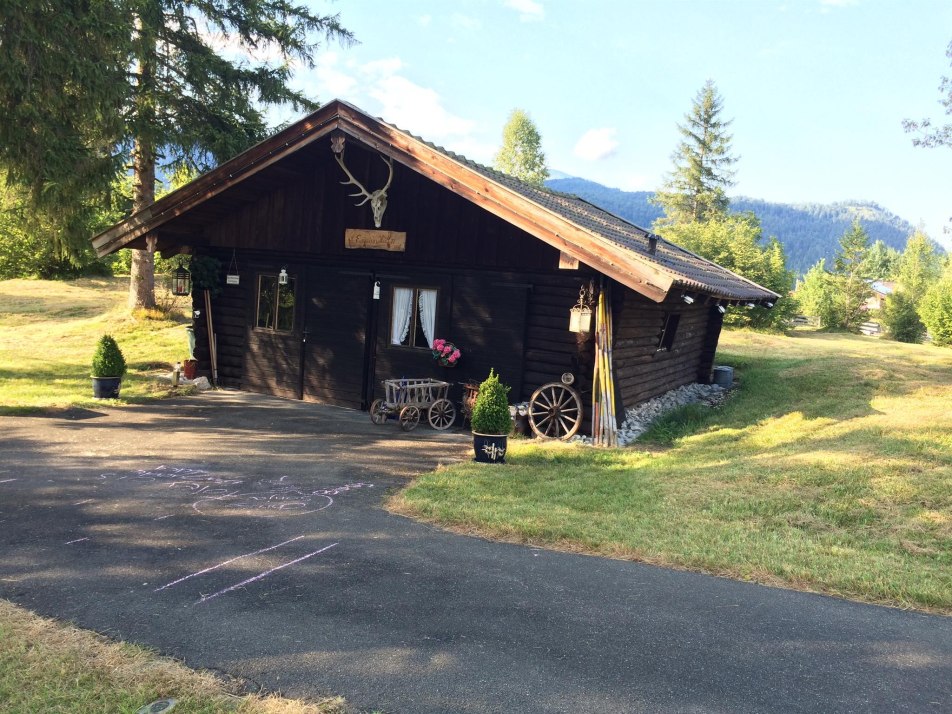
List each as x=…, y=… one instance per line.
x=668, y=332
x=275, y=304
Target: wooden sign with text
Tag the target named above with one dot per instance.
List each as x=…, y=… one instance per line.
x=394, y=241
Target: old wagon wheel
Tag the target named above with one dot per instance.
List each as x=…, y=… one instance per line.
x=409, y=418
x=555, y=411
x=378, y=412
x=442, y=414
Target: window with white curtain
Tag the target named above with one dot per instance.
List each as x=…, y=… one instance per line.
x=413, y=317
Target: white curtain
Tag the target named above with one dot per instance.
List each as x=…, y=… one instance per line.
x=428, y=314
x=402, y=309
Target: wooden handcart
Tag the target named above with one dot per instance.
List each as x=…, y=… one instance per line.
x=407, y=399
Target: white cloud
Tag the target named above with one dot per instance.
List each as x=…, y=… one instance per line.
x=418, y=109
x=424, y=20
x=597, y=144
x=381, y=87
x=466, y=22
x=332, y=81
x=529, y=10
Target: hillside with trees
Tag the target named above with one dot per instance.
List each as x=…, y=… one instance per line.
x=808, y=232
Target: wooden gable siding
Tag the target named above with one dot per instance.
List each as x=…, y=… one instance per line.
x=311, y=215
x=641, y=370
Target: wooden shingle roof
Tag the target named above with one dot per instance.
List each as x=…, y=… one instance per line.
x=611, y=245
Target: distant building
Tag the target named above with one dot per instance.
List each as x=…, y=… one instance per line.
x=881, y=290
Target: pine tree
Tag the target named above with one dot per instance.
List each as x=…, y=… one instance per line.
x=816, y=295
x=918, y=267
x=155, y=92
x=63, y=69
x=735, y=241
x=695, y=190
x=851, y=275
x=521, y=153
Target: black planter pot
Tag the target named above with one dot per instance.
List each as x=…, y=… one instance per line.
x=106, y=387
x=490, y=448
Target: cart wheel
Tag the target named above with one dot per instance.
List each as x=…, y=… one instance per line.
x=409, y=418
x=378, y=412
x=442, y=414
x=555, y=411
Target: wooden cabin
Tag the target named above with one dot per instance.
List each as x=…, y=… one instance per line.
x=461, y=252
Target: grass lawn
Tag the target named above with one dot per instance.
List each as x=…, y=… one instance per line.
x=48, y=333
x=830, y=469
x=49, y=667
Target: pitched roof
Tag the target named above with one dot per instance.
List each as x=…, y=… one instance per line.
x=596, y=237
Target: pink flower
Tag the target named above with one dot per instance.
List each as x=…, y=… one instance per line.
x=447, y=349
x=454, y=356
x=438, y=344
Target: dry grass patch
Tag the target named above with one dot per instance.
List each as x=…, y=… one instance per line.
x=49, y=667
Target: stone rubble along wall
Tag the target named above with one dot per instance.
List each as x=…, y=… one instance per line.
x=639, y=418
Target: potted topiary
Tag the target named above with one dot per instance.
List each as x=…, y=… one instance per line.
x=491, y=422
x=109, y=366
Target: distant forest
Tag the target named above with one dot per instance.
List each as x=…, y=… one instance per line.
x=808, y=231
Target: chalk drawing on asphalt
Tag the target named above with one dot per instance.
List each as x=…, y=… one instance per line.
x=248, y=581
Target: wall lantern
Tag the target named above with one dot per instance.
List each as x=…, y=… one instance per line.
x=283, y=277
x=580, y=316
x=181, y=281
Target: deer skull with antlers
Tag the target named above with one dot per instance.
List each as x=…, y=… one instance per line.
x=378, y=198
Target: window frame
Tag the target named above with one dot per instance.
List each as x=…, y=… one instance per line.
x=414, y=315
x=669, y=332
x=292, y=284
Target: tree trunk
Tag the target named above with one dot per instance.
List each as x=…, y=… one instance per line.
x=142, y=277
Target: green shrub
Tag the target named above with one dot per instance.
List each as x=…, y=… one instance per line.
x=936, y=311
x=491, y=410
x=901, y=319
x=108, y=360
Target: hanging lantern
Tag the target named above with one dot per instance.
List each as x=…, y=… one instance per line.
x=580, y=316
x=283, y=277
x=181, y=281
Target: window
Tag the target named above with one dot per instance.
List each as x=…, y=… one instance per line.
x=275, y=304
x=668, y=332
x=413, y=317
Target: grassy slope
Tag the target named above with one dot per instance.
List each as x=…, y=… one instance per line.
x=831, y=470
x=48, y=332
x=49, y=667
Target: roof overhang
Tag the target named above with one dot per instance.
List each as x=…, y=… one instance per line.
x=615, y=261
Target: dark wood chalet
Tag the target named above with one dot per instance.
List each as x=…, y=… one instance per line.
x=461, y=252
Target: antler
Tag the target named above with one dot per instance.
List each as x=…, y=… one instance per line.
x=378, y=199
x=389, y=162
x=339, y=158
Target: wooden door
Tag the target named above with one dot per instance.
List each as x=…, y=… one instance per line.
x=337, y=321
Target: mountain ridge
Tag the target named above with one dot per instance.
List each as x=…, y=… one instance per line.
x=808, y=231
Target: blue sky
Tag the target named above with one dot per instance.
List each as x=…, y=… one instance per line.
x=817, y=88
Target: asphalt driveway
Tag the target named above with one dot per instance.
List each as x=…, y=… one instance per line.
x=245, y=534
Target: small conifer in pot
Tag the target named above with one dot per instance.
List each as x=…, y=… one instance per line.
x=491, y=420
x=108, y=368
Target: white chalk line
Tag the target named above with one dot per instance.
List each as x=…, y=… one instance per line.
x=162, y=518
x=7, y=480
x=221, y=565
x=70, y=542
x=88, y=500
x=263, y=575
